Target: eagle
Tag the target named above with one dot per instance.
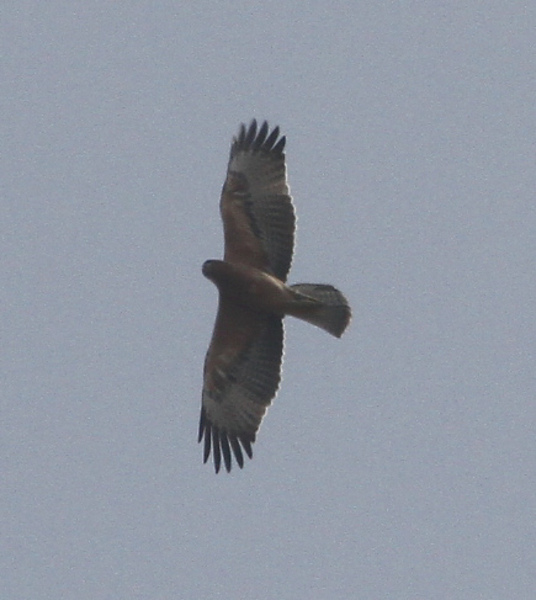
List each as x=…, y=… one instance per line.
x=242, y=369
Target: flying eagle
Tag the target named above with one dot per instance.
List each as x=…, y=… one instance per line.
x=243, y=364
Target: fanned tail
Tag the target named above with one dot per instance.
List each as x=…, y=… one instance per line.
x=321, y=305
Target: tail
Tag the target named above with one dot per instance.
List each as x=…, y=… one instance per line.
x=321, y=305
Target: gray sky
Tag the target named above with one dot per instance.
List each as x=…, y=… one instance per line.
x=396, y=463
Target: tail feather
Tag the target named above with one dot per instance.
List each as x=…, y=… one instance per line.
x=321, y=305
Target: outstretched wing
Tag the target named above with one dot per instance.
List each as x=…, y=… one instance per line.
x=241, y=376
x=256, y=207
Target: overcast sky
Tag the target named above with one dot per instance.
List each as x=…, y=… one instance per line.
x=396, y=463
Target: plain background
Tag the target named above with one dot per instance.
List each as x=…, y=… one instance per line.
x=396, y=463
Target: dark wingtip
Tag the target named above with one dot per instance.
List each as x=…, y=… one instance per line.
x=202, y=424
x=226, y=451
x=280, y=146
x=237, y=451
x=247, y=446
x=223, y=445
x=216, y=449
x=251, y=137
x=261, y=136
x=251, y=133
x=241, y=135
x=272, y=138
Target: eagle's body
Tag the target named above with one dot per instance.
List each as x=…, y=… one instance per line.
x=243, y=363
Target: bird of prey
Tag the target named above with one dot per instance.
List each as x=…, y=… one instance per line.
x=243, y=364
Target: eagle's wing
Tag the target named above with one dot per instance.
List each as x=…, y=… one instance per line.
x=241, y=376
x=256, y=207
